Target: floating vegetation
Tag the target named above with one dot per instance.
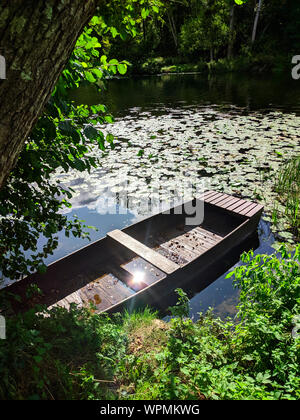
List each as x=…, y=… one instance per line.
x=233, y=151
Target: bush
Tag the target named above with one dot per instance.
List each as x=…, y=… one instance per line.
x=208, y=31
x=59, y=354
x=153, y=65
x=255, y=358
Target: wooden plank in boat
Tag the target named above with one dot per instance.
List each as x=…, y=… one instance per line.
x=213, y=197
x=209, y=194
x=228, y=203
x=172, y=256
x=208, y=235
x=126, y=277
x=150, y=273
x=244, y=207
x=143, y=251
x=194, y=246
x=113, y=287
x=82, y=299
x=102, y=293
x=237, y=204
x=197, y=241
x=177, y=248
x=217, y=201
x=255, y=210
x=97, y=296
x=204, y=238
x=179, y=256
x=205, y=194
x=182, y=246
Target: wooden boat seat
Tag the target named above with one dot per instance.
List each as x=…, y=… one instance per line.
x=235, y=205
x=154, y=258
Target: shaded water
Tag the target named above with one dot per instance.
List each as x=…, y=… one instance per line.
x=262, y=92
x=169, y=95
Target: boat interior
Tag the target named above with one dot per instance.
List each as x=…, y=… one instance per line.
x=126, y=262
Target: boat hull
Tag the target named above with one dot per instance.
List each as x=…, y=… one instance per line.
x=173, y=255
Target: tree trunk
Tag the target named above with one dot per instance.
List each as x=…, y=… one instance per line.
x=144, y=31
x=36, y=39
x=256, y=21
x=231, y=34
x=173, y=28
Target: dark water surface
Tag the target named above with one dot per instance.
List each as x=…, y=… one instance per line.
x=157, y=95
x=262, y=92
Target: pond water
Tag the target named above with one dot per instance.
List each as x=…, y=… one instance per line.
x=263, y=92
x=176, y=130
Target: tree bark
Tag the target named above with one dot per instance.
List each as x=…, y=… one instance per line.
x=231, y=34
x=256, y=21
x=173, y=28
x=36, y=39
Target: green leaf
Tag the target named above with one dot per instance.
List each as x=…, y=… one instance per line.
x=110, y=138
x=89, y=77
x=90, y=132
x=42, y=269
x=122, y=68
x=145, y=13
x=114, y=32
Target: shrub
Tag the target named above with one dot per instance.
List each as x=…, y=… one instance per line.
x=255, y=358
x=59, y=354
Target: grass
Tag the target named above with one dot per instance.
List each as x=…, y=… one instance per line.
x=287, y=186
x=137, y=320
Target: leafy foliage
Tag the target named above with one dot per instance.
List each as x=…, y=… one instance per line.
x=254, y=358
x=199, y=30
x=207, y=30
x=59, y=354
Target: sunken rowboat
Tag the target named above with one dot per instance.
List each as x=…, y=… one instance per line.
x=144, y=263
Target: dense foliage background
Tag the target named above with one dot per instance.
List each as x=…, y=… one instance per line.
x=199, y=31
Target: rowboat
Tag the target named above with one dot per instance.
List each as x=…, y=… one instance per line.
x=145, y=262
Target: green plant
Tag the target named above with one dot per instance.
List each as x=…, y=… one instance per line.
x=287, y=186
x=254, y=358
x=206, y=30
x=59, y=354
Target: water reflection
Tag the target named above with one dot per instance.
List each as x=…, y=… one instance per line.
x=102, y=222
x=262, y=92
